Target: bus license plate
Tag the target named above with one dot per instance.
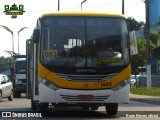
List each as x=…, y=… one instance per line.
x=85, y=97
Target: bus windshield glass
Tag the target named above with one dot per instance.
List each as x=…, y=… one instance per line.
x=21, y=67
x=84, y=41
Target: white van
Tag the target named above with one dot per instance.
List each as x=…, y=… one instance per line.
x=6, y=87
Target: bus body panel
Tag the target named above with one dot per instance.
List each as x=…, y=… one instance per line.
x=19, y=75
x=47, y=95
x=71, y=40
x=84, y=13
x=60, y=81
x=122, y=95
x=20, y=86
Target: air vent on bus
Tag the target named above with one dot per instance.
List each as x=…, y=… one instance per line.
x=75, y=77
x=76, y=98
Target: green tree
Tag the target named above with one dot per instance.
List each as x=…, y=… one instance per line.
x=134, y=24
x=154, y=36
x=4, y=63
x=140, y=59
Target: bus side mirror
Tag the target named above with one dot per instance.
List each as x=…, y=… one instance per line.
x=133, y=43
x=36, y=35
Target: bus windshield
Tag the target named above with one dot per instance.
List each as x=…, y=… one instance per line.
x=21, y=67
x=84, y=41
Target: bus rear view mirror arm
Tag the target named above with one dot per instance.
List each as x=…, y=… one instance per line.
x=36, y=35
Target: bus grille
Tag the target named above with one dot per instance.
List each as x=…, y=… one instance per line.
x=75, y=98
x=85, y=78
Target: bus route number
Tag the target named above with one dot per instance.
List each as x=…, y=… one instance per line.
x=50, y=53
x=106, y=84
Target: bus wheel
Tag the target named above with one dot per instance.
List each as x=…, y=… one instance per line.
x=33, y=105
x=111, y=108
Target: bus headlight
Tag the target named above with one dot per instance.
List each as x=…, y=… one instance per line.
x=48, y=84
x=120, y=85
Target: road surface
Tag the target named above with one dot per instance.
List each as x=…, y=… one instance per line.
x=132, y=110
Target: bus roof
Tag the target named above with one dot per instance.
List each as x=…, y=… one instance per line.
x=84, y=13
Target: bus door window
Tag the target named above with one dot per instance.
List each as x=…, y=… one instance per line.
x=46, y=39
x=124, y=41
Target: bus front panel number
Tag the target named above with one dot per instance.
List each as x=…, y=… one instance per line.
x=50, y=53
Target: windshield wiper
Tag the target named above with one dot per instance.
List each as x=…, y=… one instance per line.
x=67, y=60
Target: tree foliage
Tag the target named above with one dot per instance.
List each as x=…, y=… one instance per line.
x=140, y=59
x=154, y=36
x=134, y=24
x=4, y=63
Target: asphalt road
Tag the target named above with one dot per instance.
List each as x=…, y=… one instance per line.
x=132, y=110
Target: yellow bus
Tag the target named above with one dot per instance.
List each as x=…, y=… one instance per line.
x=79, y=58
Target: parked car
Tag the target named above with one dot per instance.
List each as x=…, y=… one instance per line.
x=6, y=87
x=133, y=79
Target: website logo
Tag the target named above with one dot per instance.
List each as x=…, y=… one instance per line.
x=20, y=115
x=14, y=10
x=6, y=114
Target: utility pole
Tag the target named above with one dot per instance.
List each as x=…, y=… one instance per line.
x=18, y=36
x=123, y=7
x=82, y=3
x=6, y=28
x=148, y=45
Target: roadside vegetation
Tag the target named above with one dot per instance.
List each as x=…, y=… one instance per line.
x=154, y=91
x=4, y=63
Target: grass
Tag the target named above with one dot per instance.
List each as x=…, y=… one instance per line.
x=154, y=91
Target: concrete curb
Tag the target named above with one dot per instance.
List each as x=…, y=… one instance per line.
x=155, y=102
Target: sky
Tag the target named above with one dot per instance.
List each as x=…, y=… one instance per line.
x=35, y=8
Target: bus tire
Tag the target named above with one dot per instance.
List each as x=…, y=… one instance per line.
x=33, y=105
x=111, y=108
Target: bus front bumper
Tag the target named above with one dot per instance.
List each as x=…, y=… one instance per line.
x=47, y=95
